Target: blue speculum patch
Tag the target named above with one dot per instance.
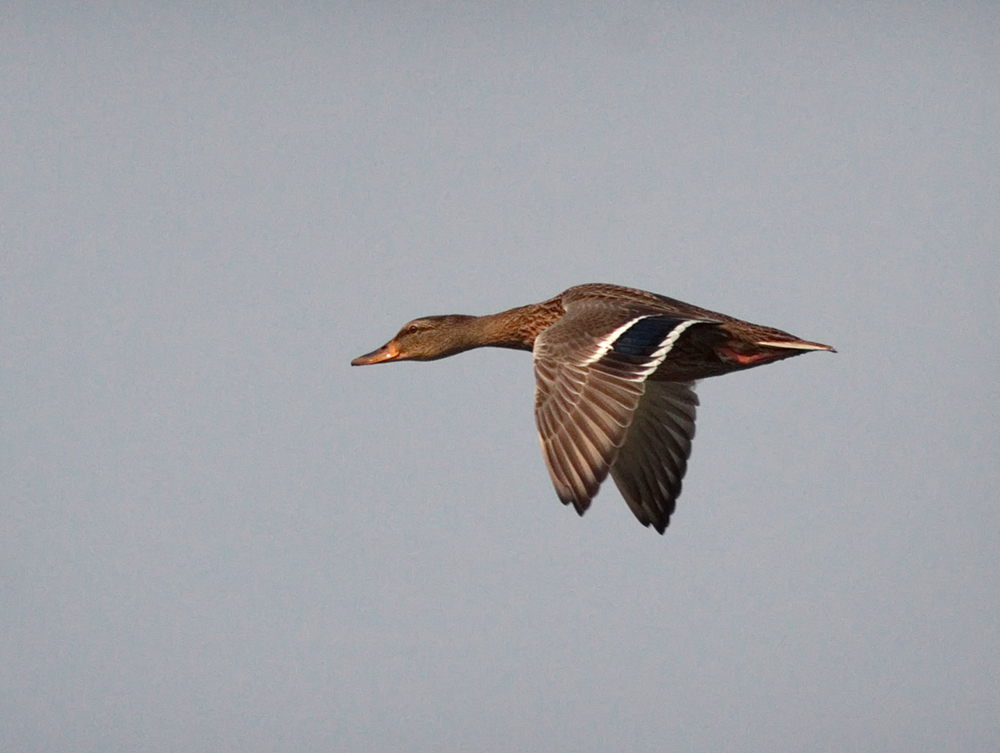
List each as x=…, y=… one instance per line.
x=645, y=336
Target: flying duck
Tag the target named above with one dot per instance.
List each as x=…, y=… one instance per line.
x=614, y=381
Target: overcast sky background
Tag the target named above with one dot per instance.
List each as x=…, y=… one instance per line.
x=217, y=535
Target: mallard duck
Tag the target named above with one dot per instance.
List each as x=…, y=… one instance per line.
x=614, y=391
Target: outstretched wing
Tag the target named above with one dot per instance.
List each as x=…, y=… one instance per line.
x=652, y=461
x=590, y=377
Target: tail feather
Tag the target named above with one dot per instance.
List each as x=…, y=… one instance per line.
x=795, y=345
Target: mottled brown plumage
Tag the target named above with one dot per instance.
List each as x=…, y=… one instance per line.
x=614, y=371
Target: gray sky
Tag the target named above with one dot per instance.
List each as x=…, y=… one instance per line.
x=216, y=535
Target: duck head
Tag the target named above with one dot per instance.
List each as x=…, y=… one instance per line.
x=427, y=339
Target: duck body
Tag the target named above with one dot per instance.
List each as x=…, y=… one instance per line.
x=615, y=370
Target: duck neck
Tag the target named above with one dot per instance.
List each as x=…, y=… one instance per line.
x=517, y=328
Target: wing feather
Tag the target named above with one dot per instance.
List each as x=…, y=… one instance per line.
x=650, y=466
x=590, y=391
